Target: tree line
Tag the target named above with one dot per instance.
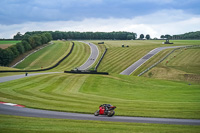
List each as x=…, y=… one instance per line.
x=189, y=35
x=85, y=35
x=28, y=42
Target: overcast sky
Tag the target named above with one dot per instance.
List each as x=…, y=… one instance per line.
x=154, y=17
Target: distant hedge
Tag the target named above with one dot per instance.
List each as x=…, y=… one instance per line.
x=28, y=42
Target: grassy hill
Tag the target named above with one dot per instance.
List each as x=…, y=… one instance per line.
x=183, y=65
x=50, y=55
x=118, y=58
x=79, y=55
x=46, y=57
x=84, y=93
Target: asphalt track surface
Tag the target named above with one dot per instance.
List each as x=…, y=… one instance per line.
x=9, y=78
x=93, y=56
x=27, y=112
x=145, y=58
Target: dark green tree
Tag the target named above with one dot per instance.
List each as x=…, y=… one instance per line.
x=162, y=36
x=1, y=57
x=38, y=40
x=44, y=39
x=147, y=37
x=141, y=36
x=189, y=35
x=49, y=36
x=18, y=36
x=26, y=45
x=15, y=51
x=20, y=48
x=167, y=36
x=31, y=41
x=130, y=37
x=6, y=56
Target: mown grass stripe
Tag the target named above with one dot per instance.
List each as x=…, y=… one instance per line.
x=79, y=55
x=45, y=57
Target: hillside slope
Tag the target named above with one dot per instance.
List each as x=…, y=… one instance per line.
x=183, y=65
x=133, y=96
x=118, y=58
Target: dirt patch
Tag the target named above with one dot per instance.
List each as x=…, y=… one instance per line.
x=192, y=77
x=172, y=74
x=19, y=58
x=4, y=46
x=165, y=73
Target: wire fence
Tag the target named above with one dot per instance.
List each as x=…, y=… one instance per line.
x=191, y=46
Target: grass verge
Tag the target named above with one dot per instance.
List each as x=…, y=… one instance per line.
x=27, y=124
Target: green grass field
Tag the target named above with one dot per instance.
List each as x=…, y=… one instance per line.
x=9, y=42
x=6, y=44
x=43, y=125
x=84, y=93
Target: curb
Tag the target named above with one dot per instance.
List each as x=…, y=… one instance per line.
x=12, y=104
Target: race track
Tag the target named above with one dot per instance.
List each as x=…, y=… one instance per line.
x=145, y=58
x=93, y=56
x=27, y=112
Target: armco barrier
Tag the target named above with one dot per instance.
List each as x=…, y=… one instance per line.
x=42, y=69
x=86, y=72
x=100, y=59
x=192, y=46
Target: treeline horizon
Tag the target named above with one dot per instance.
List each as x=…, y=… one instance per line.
x=28, y=43
x=120, y=35
x=71, y=35
x=189, y=35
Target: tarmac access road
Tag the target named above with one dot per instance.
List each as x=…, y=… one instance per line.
x=145, y=58
x=27, y=112
x=93, y=56
x=8, y=78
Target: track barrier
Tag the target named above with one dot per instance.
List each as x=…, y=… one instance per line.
x=87, y=72
x=101, y=59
